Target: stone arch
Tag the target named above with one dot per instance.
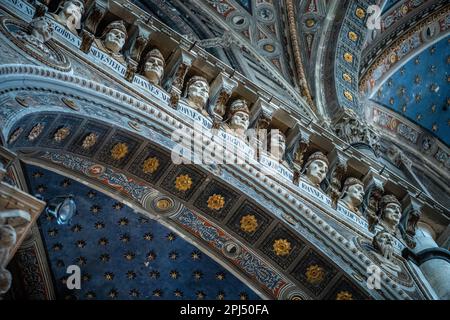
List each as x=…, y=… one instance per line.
x=145, y=125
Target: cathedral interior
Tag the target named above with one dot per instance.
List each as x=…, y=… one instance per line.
x=224, y=150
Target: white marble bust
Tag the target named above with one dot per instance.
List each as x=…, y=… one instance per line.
x=197, y=93
x=277, y=142
x=316, y=168
x=69, y=14
x=154, y=67
x=113, y=39
x=353, y=194
x=239, y=116
x=384, y=239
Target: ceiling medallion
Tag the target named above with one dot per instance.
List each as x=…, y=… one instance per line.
x=61, y=134
x=119, y=151
x=282, y=247
x=95, y=170
x=216, y=202
x=348, y=95
x=134, y=125
x=269, y=48
x=89, y=141
x=249, y=223
x=352, y=36
x=35, y=132
x=150, y=165
x=393, y=58
x=24, y=102
x=315, y=274
x=344, y=295
x=70, y=103
x=347, y=77
x=360, y=13
x=348, y=57
x=183, y=182
x=164, y=204
x=310, y=22
x=15, y=135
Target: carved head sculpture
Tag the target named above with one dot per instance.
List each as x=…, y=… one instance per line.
x=353, y=193
x=5, y=280
x=391, y=211
x=240, y=115
x=41, y=29
x=198, y=92
x=114, y=36
x=154, y=66
x=69, y=13
x=277, y=143
x=384, y=243
x=316, y=168
x=7, y=236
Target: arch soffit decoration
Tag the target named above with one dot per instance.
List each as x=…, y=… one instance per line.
x=283, y=208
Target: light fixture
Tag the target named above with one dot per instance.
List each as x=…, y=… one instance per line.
x=62, y=208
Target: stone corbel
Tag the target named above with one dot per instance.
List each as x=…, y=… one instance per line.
x=138, y=42
x=221, y=90
x=297, y=144
x=260, y=121
x=94, y=15
x=177, y=67
x=410, y=217
x=374, y=185
x=337, y=170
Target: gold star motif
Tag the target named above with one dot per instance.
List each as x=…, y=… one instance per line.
x=360, y=13
x=315, y=274
x=216, y=202
x=344, y=295
x=352, y=36
x=282, y=247
x=150, y=165
x=183, y=182
x=348, y=57
x=119, y=151
x=249, y=223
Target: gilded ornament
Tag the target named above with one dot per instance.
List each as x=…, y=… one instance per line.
x=183, y=182
x=163, y=204
x=352, y=36
x=282, y=247
x=360, y=13
x=315, y=274
x=150, y=165
x=347, y=77
x=216, y=202
x=36, y=131
x=348, y=95
x=70, y=103
x=348, y=57
x=22, y=101
x=249, y=223
x=434, y=127
x=89, y=141
x=61, y=134
x=15, y=135
x=344, y=295
x=393, y=58
x=310, y=23
x=119, y=151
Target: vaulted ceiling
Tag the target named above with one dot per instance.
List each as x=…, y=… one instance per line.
x=121, y=254
x=419, y=90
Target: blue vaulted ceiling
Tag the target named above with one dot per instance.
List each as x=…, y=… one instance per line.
x=123, y=255
x=420, y=90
